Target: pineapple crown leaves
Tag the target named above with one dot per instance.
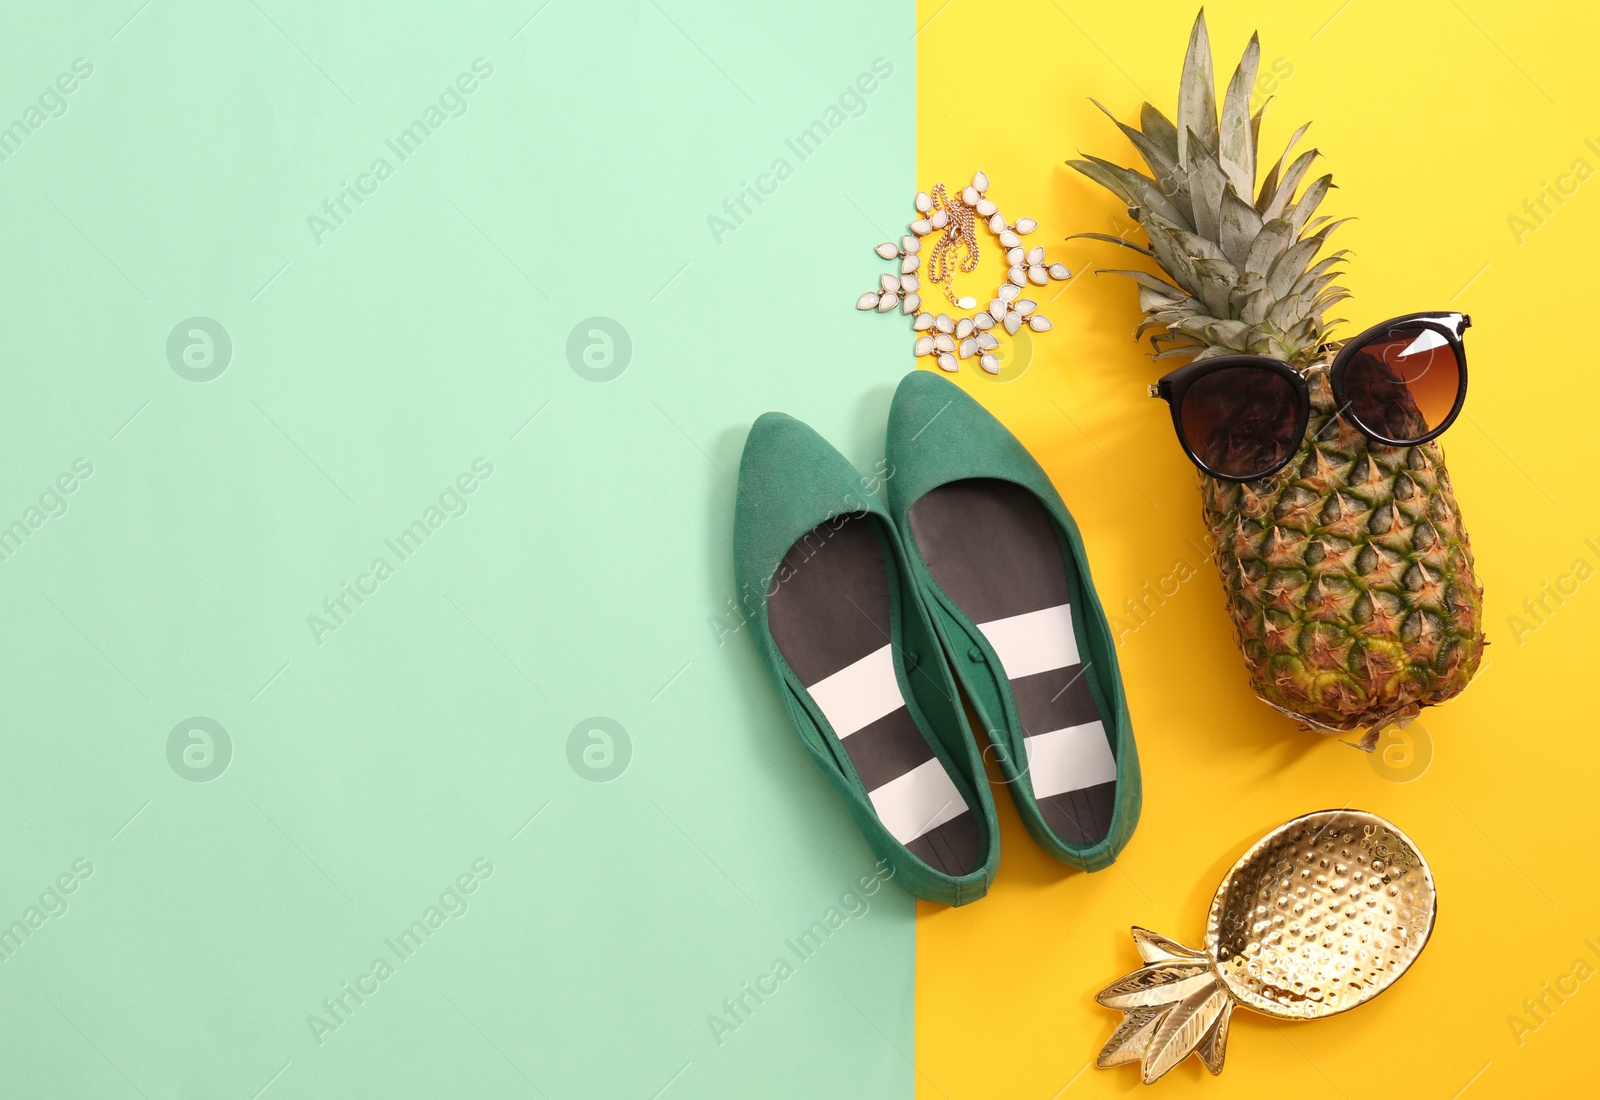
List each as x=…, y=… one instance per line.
x=1243, y=271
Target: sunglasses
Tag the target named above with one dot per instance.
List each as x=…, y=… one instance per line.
x=1242, y=417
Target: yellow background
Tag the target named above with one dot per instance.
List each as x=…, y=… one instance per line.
x=1437, y=120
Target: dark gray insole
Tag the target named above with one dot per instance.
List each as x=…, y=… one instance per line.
x=831, y=611
x=992, y=547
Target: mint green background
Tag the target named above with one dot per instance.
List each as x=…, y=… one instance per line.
x=583, y=580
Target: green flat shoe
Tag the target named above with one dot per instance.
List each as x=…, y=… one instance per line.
x=1002, y=568
x=837, y=620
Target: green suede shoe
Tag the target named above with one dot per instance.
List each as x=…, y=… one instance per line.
x=1002, y=568
x=836, y=618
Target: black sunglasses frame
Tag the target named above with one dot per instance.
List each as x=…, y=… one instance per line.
x=1173, y=386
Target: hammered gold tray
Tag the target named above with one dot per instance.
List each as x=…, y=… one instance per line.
x=1320, y=915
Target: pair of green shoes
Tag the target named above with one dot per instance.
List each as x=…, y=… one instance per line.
x=869, y=618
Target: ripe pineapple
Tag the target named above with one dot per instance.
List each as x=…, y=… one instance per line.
x=1348, y=573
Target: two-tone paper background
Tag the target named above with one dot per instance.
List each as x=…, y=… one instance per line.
x=378, y=720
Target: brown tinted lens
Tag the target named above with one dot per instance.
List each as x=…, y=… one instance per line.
x=1240, y=421
x=1403, y=384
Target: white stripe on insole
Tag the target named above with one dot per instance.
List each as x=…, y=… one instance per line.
x=1069, y=759
x=1036, y=641
x=859, y=694
x=920, y=800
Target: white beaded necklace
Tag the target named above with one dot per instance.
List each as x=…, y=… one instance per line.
x=956, y=247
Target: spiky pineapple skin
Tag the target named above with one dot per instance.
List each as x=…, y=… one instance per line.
x=1349, y=577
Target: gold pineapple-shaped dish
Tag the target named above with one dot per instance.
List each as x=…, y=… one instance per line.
x=1320, y=915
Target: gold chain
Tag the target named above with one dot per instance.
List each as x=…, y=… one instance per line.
x=959, y=231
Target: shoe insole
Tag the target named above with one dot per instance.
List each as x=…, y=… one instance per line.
x=830, y=620
x=992, y=547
